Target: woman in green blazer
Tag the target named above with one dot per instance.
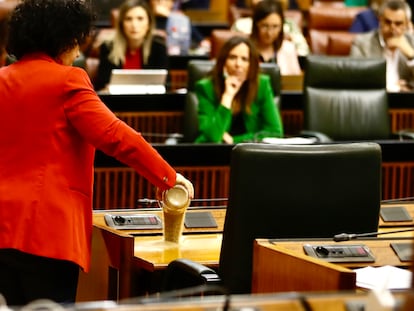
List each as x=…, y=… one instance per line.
x=236, y=103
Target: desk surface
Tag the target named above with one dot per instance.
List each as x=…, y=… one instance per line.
x=381, y=249
x=153, y=253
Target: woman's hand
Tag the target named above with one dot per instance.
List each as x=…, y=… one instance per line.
x=181, y=180
x=232, y=85
x=227, y=138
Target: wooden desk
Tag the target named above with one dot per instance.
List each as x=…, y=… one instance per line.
x=311, y=274
x=128, y=263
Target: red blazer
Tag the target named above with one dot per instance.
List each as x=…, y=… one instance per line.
x=51, y=121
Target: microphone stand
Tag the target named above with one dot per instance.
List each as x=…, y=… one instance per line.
x=351, y=236
x=151, y=202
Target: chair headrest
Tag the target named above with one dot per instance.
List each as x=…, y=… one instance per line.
x=349, y=73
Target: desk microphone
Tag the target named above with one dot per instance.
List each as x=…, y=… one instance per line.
x=351, y=236
x=398, y=200
x=151, y=202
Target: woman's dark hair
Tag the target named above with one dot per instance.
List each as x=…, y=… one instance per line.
x=248, y=91
x=262, y=10
x=48, y=26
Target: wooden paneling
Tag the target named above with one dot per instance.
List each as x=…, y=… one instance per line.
x=178, y=79
x=154, y=125
x=401, y=119
x=397, y=180
x=121, y=187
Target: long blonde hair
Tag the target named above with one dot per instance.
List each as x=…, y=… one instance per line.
x=120, y=45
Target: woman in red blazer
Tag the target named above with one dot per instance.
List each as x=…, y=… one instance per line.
x=51, y=121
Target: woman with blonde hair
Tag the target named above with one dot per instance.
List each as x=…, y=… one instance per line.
x=133, y=45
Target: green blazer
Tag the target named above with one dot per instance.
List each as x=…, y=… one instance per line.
x=215, y=119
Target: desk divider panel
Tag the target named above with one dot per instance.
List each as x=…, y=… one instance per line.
x=282, y=270
x=121, y=187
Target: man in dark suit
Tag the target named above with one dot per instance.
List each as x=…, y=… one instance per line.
x=393, y=40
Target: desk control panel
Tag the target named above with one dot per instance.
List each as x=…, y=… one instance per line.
x=133, y=221
x=340, y=253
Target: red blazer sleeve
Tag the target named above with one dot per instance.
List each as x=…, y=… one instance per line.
x=101, y=128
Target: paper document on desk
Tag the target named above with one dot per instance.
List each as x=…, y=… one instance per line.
x=388, y=276
x=289, y=141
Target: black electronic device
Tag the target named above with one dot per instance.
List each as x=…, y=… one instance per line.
x=404, y=251
x=199, y=220
x=395, y=213
x=133, y=221
x=340, y=253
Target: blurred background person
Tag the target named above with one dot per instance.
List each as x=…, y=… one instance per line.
x=268, y=36
x=291, y=29
x=367, y=20
x=236, y=102
x=133, y=45
x=51, y=122
x=170, y=22
x=394, y=41
x=194, y=4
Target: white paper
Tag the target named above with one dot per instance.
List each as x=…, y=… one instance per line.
x=385, y=277
x=289, y=141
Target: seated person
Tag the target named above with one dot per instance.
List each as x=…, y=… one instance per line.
x=194, y=4
x=165, y=14
x=268, y=36
x=366, y=20
x=236, y=103
x=133, y=45
x=356, y=2
x=393, y=41
x=290, y=28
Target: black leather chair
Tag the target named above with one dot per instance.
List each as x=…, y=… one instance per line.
x=293, y=191
x=345, y=99
x=198, y=69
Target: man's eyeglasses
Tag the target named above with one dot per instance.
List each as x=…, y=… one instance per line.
x=389, y=22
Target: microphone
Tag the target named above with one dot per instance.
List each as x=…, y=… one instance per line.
x=351, y=236
x=397, y=200
x=152, y=202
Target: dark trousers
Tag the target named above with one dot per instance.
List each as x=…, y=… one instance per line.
x=25, y=277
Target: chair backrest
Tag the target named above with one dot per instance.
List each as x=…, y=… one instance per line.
x=346, y=98
x=295, y=191
x=328, y=23
x=198, y=69
x=218, y=37
x=331, y=42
